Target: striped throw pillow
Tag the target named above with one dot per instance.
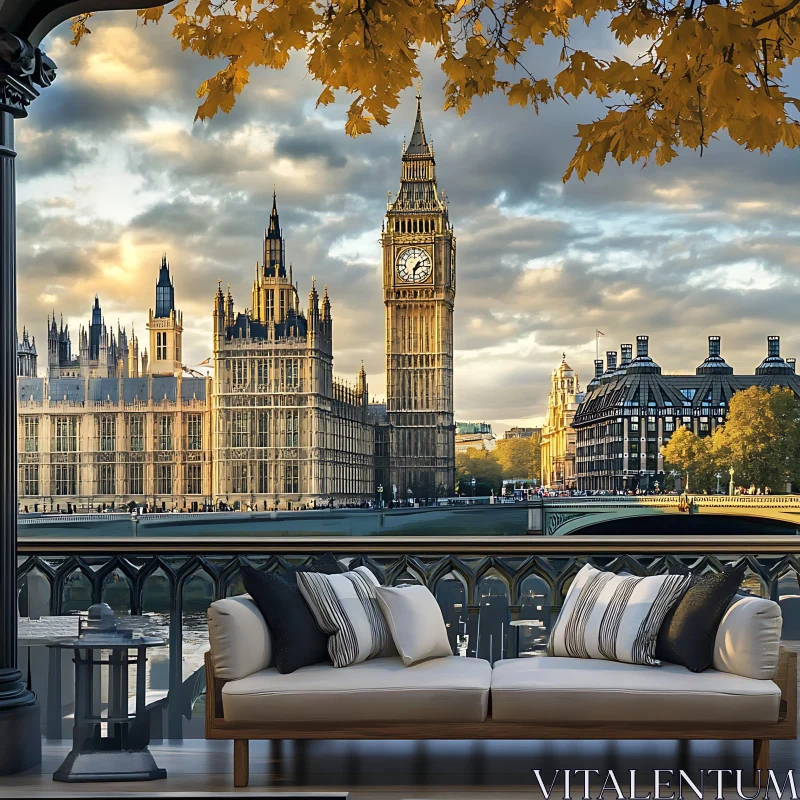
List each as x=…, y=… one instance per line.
x=346, y=608
x=615, y=617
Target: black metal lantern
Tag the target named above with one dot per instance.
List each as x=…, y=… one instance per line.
x=122, y=754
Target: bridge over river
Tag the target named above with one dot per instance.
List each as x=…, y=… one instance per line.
x=667, y=515
x=552, y=516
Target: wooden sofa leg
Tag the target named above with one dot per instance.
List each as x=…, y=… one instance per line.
x=241, y=762
x=760, y=759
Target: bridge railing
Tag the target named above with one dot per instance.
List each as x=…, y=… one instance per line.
x=499, y=595
x=743, y=500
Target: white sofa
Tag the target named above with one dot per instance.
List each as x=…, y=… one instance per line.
x=751, y=692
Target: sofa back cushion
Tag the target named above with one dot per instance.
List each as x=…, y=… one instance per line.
x=614, y=617
x=687, y=636
x=346, y=608
x=749, y=638
x=240, y=640
x=415, y=621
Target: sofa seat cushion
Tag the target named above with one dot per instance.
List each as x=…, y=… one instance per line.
x=450, y=689
x=571, y=690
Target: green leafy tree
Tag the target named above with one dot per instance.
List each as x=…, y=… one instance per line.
x=682, y=72
x=691, y=456
x=760, y=438
x=519, y=458
x=481, y=465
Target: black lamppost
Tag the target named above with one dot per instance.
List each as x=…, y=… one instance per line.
x=24, y=71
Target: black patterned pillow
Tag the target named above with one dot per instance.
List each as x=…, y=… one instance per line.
x=614, y=617
x=689, y=632
x=346, y=608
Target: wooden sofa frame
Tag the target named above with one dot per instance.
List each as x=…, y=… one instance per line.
x=241, y=733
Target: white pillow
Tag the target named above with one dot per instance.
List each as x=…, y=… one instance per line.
x=614, y=617
x=416, y=622
x=345, y=607
x=748, y=639
x=240, y=640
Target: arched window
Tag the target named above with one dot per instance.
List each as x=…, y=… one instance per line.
x=451, y=594
x=493, y=600
x=535, y=602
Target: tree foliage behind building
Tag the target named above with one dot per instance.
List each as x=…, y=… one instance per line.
x=760, y=440
x=511, y=458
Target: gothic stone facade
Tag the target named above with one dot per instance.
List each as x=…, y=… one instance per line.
x=98, y=442
x=286, y=432
x=419, y=286
x=630, y=411
x=95, y=432
x=273, y=428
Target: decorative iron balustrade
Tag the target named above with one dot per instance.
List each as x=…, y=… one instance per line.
x=499, y=595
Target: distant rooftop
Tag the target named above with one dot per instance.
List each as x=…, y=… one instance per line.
x=473, y=427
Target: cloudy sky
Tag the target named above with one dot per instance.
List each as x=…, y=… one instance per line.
x=112, y=172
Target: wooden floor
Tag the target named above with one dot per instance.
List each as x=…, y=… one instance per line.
x=400, y=770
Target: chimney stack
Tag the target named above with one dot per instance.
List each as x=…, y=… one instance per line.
x=792, y=362
x=713, y=346
x=773, y=345
x=598, y=368
x=627, y=354
x=642, y=346
x=611, y=360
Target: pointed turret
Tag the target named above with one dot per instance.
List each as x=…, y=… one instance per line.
x=361, y=381
x=229, y=318
x=313, y=306
x=274, y=222
x=165, y=291
x=418, y=190
x=274, y=246
x=326, y=306
x=419, y=146
x=133, y=355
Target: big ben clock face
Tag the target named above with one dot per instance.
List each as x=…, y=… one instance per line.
x=414, y=265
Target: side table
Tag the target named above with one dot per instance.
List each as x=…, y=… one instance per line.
x=122, y=754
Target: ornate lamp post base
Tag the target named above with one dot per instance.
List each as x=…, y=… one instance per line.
x=23, y=71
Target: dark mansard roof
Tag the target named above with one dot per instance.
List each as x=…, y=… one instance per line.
x=106, y=390
x=643, y=386
x=246, y=327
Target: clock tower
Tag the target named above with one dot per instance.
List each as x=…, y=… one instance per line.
x=419, y=286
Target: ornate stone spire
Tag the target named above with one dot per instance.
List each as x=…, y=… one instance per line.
x=418, y=146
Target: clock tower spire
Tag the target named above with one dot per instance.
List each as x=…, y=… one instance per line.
x=419, y=272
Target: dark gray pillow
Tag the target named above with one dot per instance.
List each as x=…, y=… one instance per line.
x=688, y=632
x=297, y=640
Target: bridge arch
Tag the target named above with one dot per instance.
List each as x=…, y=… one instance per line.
x=649, y=522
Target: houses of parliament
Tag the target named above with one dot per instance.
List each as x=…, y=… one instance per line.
x=115, y=423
